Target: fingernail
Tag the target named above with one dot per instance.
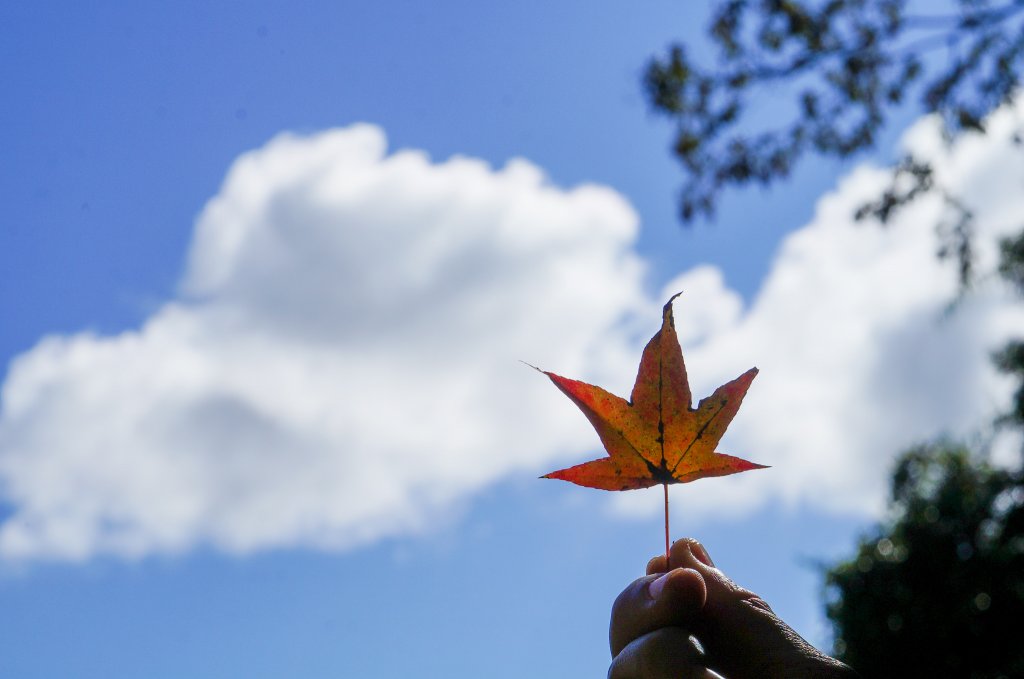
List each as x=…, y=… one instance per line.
x=701, y=554
x=656, y=586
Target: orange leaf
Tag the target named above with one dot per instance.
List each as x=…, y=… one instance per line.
x=656, y=436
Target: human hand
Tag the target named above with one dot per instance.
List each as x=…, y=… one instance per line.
x=739, y=636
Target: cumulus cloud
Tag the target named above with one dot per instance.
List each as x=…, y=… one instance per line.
x=341, y=362
x=860, y=354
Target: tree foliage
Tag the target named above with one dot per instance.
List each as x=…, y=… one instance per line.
x=831, y=74
x=1011, y=358
x=939, y=590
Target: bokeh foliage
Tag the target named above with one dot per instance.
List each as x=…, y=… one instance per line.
x=936, y=590
x=845, y=66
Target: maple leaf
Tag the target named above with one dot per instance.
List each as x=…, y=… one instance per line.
x=656, y=437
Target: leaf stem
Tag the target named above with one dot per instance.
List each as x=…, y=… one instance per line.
x=668, y=567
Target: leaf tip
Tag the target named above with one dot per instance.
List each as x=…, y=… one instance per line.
x=530, y=365
x=666, y=311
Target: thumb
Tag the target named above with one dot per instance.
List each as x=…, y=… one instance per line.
x=739, y=632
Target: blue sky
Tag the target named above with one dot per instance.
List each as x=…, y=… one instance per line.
x=262, y=413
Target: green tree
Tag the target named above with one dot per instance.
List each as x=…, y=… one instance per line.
x=937, y=589
x=838, y=70
x=1011, y=358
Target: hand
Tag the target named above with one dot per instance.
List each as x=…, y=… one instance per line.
x=656, y=618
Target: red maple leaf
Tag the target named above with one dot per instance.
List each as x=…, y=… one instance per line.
x=656, y=436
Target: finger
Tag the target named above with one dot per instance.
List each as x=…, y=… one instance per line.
x=666, y=653
x=657, y=565
x=653, y=601
x=740, y=634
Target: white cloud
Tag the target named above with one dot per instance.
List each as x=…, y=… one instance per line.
x=341, y=364
x=859, y=358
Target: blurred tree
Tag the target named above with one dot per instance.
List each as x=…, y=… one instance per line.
x=938, y=589
x=1011, y=358
x=830, y=74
